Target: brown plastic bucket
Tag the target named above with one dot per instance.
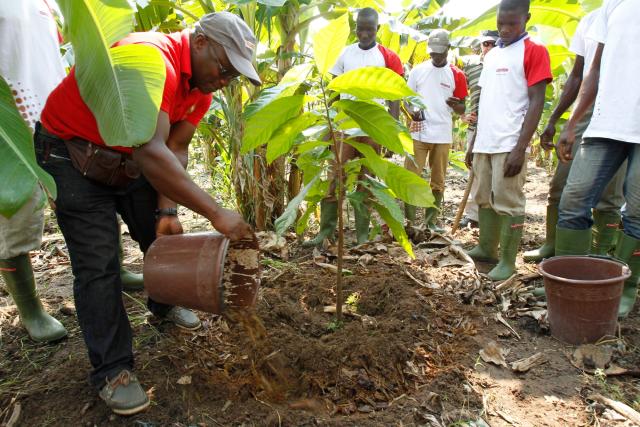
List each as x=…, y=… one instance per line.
x=203, y=271
x=583, y=295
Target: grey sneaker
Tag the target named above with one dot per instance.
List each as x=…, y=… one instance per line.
x=124, y=394
x=183, y=318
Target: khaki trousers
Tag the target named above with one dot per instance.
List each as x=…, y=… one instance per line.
x=495, y=191
x=438, y=155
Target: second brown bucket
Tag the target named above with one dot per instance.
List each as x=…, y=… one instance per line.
x=583, y=295
x=203, y=271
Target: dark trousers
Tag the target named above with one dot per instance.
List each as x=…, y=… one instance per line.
x=86, y=213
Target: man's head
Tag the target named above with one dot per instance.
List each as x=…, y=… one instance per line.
x=438, y=47
x=488, y=40
x=513, y=16
x=222, y=48
x=367, y=27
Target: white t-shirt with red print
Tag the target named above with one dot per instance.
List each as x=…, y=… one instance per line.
x=581, y=44
x=507, y=74
x=435, y=85
x=30, y=54
x=616, y=112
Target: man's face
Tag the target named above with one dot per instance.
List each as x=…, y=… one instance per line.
x=210, y=67
x=511, y=24
x=439, y=59
x=366, y=30
x=486, y=46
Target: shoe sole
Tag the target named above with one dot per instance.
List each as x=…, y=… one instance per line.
x=186, y=328
x=132, y=411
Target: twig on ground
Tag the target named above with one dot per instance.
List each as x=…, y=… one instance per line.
x=621, y=408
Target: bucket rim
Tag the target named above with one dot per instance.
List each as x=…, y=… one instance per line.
x=626, y=271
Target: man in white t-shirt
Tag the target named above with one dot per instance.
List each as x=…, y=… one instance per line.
x=607, y=213
x=612, y=137
x=443, y=89
x=366, y=53
x=32, y=67
x=513, y=82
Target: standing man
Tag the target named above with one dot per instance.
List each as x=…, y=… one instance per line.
x=473, y=70
x=612, y=137
x=32, y=67
x=443, y=87
x=198, y=63
x=513, y=83
x=366, y=53
x=606, y=215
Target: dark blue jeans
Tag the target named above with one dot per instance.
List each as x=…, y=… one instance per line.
x=86, y=213
x=596, y=162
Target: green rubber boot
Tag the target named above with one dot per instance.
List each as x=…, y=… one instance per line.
x=605, y=231
x=572, y=242
x=548, y=249
x=510, y=235
x=328, y=223
x=628, y=251
x=18, y=276
x=487, y=248
x=410, y=213
x=131, y=282
x=363, y=219
x=431, y=214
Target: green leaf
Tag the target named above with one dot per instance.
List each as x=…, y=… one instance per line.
x=397, y=229
x=377, y=123
x=287, y=86
x=122, y=86
x=385, y=197
x=329, y=42
x=289, y=215
x=260, y=127
x=20, y=171
x=303, y=222
x=406, y=185
x=286, y=135
x=310, y=145
x=372, y=82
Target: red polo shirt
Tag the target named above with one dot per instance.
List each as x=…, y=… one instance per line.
x=66, y=115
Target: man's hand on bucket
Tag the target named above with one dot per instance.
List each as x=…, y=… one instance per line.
x=168, y=225
x=231, y=224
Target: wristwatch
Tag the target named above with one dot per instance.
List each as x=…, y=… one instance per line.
x=166, y=212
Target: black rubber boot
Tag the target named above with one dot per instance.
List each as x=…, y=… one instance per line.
x=328, y=223
x=18, y=276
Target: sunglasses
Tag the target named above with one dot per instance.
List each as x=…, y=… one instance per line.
x=487, y=44
x=223, y=72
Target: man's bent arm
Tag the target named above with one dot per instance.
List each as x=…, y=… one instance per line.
x=570, y=90
x=167, y=175
x=179, y=139
x=589, y=89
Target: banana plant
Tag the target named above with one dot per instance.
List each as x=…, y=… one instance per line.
x=122, y=86
x=301, y=117
x=20, y=171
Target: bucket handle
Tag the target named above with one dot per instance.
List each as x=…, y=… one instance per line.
x=625, y=266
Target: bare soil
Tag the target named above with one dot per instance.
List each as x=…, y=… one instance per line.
x=407, y=352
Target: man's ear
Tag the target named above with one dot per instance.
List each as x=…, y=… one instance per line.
x=199, y=41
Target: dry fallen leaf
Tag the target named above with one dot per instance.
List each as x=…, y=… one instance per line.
x=591, y=356
x=493, y=353
x=184, y=380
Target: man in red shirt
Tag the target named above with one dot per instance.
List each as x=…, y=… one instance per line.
x=198, y=63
